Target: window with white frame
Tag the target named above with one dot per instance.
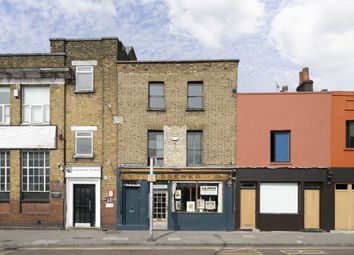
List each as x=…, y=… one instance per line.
x=84, y=78
x=35, y=105
x=4, y=171
x=83, y=144
x=35, y=171
x=5, y=105
x=197, y=197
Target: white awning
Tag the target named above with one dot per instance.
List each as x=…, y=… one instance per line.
x=27, y=137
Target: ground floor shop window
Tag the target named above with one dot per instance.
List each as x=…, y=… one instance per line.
x=35, y=175
x=4, y=171
x=199, y=197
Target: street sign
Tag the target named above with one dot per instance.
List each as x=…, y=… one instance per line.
x=151, y=178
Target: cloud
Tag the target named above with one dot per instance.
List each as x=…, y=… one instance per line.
x=27, y=25
x=211, y=22
x=318, y=34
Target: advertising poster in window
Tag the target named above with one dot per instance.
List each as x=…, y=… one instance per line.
x=178, y=205
x=210, y=205
x=178, y=194
x=190, y=206
x=209, y=190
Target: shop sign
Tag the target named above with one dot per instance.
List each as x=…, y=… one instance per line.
x=160, y=186
x=209, y=190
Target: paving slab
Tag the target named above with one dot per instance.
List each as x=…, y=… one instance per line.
x=90, y=238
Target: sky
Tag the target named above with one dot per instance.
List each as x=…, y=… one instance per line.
x=273, y=39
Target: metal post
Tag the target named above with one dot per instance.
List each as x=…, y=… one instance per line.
x=151, y=235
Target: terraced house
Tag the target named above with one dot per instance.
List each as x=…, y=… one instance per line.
x=295, y=161
x=79, y=124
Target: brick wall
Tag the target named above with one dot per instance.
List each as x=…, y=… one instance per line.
x=217, y=121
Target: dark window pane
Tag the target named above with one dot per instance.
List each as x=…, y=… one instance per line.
x=5, y=96
x=84, y=146
x=350, y=134
x=156, y=95
x=156, y=145
x=156, y=89
x=84, y=81
x=194, y=148
x=195, y=90
x=342, y=186
x=195, y=103
x=280, y=146
x=156, y=102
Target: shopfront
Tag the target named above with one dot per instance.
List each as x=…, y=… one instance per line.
x=181, y=201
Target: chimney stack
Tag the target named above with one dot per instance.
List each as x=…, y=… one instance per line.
x=305, y=84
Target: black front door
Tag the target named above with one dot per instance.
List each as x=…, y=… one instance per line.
x=84, y=204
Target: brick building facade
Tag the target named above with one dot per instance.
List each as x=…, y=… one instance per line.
x=181, y=112
x=72, y=117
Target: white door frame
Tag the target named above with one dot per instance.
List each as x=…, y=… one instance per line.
x=74, y=177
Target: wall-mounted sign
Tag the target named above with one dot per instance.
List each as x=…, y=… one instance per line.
x=151, y=178
x=109, y=205
x=55, y=195
x=209, y=190
x=160, y=186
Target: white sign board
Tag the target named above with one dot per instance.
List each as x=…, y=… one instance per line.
x=278, y=198
x=159, y=186
x=209, y=190
x=27, y=137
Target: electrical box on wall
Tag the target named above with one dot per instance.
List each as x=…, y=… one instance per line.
x=16, y=93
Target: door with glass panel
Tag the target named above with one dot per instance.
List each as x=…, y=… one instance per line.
x=160, y=210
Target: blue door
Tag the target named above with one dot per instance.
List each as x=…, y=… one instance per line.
x=132, y=206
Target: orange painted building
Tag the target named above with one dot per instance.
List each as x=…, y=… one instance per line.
x=295, y=159
x=342, y=155
x=307, y=117
x=342, y=160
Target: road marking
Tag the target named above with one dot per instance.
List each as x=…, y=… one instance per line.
x=45, y=242
x=302, y=252
x=174, y=239
x=113, y=238
x=241, y=251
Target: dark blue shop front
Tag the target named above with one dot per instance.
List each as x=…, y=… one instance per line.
x=177, y=205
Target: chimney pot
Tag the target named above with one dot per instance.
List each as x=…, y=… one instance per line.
x=305, y=74
x=300, y=78
x=305, y=84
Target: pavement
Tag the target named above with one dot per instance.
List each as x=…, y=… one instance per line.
x=22, y=238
